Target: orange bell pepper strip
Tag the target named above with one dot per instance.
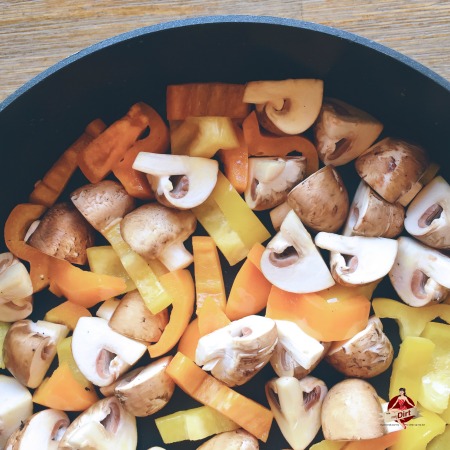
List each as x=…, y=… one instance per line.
x=47, y=190
x=135, y=182
x=208, y=271
x=189, y=340
x=67, y=314
x=380, y=443
x=211, y=317
x=194, y=381
x=180, y=286
x=264, y=144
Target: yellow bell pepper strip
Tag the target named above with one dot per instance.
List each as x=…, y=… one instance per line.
x=440, y=442
x=67, y=313
x=189, y=340
x=48, y=190
x=411, y=364
x=194, y=381
x=380, y=443
x=445, y=416
x=155, y=296
x=208, y=272
x=411, y=321
x=180, y=286
x=211, y=317
x=328, y=445
x=64, y=351
x=193, y=424
x=4, y=327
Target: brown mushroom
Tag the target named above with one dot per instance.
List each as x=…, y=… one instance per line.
x=15, y=281
x=231, y=440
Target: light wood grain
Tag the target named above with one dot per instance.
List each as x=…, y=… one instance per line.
x=36, y=34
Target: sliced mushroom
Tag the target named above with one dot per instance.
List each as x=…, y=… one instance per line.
x=292, y=262
x=15, y=281
x=286, y=106
x=133, y=319
x=30, y=347
x=392, y=168
x=321, y=201
x=372, y=216
x=102, y=204
x=15, y=407
x=351, y=411
x=271, y=178
x=231, y=440
x=104, y=426
x=42, y=430
x=365, y=355
x=102, y=354
x=145, y=390
x=237, y=352
x=420, y=274
x=107, y=308
x=18, y=310
x=428, y=216
x=179, y=181
x=155, y=231
x=356, y=260
x=63, y=233
x=343, y=132
x=278, y=214
x=296, y=406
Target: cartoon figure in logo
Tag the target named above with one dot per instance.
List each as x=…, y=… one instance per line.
x=400, y=405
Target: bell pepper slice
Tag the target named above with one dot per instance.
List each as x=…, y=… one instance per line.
x=440, y=442
x=4, y=327
x=189, y=340
x=67, y=313
x=248, y=414
x=264, y=144
x=380, y=443
x=411, y=321
x=208, y=272
x=328, y=445
x=180, y=286
x=48, y=190
x=211, y=317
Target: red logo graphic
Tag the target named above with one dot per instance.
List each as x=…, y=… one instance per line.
x=402, y=408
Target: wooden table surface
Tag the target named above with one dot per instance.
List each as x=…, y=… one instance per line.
x=36, y=34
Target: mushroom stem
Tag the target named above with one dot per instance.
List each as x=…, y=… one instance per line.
x=176, y=257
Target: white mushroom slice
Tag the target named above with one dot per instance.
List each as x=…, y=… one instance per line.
x=237, y=352
x=42, y=430
x=292, y=262
x=343, y=132
x=179, y=181
x=155, y=231
x=357, y=260
x=271, y=179
x=15, y=281
x=102, y=354
x=420, y=274
x=278, y=214
x=18, y=310
x=104, y=426
x=16, y=406
x=392, y=168
x=365, y=355
x=107, y=308
x=296, y=406
x=372, y=216
x=428, y=216
x=321, y=201
x=29, y=349
x=231, y=440
x=145, y=390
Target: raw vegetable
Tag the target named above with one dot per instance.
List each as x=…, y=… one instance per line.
x=189, y=340
x=211, y=317
x=440, y=442
x=67, y=314
x=4, y=327
x=380, y=443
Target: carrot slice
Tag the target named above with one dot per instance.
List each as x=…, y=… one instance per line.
x=211, y=317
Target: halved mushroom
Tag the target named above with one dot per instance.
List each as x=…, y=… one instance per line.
x=107, y=308
x=155, y=231
x=42, y=430
x=145, y=390
x=15, y=407
x=102, y=204
x=179, y=181
x=17, y=310
x=351, y=411
x=392, y=168
x=104, y=426
x=365, y=355
x=30, y=347
x=428, y=216
x=133, y=319
x=372, y=216
x=357, y=260
x=15, y=281
x=278, y=214
x=321, y=201
x=237, y=352
x=231, y=440
x=271, y=178
x=286, y=106
x=420, y=274
x=343, y=132
x=102, y=354
x=63, y=233
x=296, y=406
x=292, y=262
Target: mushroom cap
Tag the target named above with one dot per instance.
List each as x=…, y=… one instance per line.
x=231, y=440
x=102, y=204
x=391, y=167
x=321, y=201
x=15, y=281
x=151, y=228
x=13, y=311
x=64, y=234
